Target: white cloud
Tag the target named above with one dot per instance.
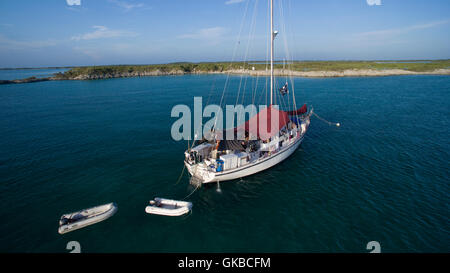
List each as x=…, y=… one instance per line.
x=133, y=52
x=373, y=2
x=90, y=52
x=397, y=31
x=229, y=2
x=101, y=32
x=7, y=43
x=213, y=33
x=73, y=2
x=128, y=6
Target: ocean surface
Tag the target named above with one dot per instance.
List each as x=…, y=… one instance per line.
x=17, y=74
x=382, y=176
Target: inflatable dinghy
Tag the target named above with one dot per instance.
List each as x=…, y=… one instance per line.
x=167, y=207
x=83, y=218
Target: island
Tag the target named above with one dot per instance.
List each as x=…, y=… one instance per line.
x=256, y=68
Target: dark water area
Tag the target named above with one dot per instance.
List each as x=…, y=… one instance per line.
x=382, y=176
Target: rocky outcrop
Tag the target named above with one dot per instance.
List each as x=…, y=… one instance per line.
x=27, y=80
x=127, y=74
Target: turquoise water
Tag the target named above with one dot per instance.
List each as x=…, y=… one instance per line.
x=16, y=74
x=382, y=176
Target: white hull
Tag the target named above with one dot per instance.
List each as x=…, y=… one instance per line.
x=169, y=207
x=90, y=216
x=259, y=165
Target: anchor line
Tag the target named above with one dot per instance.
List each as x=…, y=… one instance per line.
x=326, y=121
x=181, y=175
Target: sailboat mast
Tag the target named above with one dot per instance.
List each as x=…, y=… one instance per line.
x=271, y=51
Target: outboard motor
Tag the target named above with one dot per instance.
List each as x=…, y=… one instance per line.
x=64, y=221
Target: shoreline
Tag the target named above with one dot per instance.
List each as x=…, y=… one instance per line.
x=250, y=72
x=340, y=74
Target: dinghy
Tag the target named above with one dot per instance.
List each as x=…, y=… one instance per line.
x=167, y=207
x=83, y=218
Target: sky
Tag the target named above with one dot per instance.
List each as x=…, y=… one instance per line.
x=103, y=32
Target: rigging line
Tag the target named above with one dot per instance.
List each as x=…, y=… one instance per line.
x=288, y=97
x=240, y=83
x=243, y=91
x=282, y=100
x=286, y=47
x=252, y=87
x=265, y=91
x=234, y=51
x=283, y=29
x=286, y=105
x=266, y=63
x=283, y=103
x=184, y=166
x=195, y=134
x=287, y=54
x=269, y=37
x=255, y=89
x=337, y=124
x=250, y=47
x=292, y=56
x=212, y=89
x=232, y=60
x=251, y=30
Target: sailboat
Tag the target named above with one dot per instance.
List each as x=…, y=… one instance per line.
x=228, y=159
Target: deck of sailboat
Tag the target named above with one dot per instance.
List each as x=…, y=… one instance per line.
x=262, y=158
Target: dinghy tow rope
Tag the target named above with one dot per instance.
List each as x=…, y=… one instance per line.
x=198, y=186
x=337, y=124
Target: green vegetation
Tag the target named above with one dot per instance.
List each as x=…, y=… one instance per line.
x=163, y=68
x=416, y=66
x=208, y=67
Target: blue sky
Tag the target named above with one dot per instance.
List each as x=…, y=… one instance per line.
x=94, y=32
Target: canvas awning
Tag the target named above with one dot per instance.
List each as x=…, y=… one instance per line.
x=300, y=111
x=265, y=124
x=260, y=125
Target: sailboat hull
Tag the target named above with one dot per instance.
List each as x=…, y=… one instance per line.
x=252, y=168
x=259, y=166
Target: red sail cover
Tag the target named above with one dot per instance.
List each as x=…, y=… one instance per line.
x=262, y=126
x=300, y=111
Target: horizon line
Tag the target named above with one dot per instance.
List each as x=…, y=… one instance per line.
x=199, y=62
